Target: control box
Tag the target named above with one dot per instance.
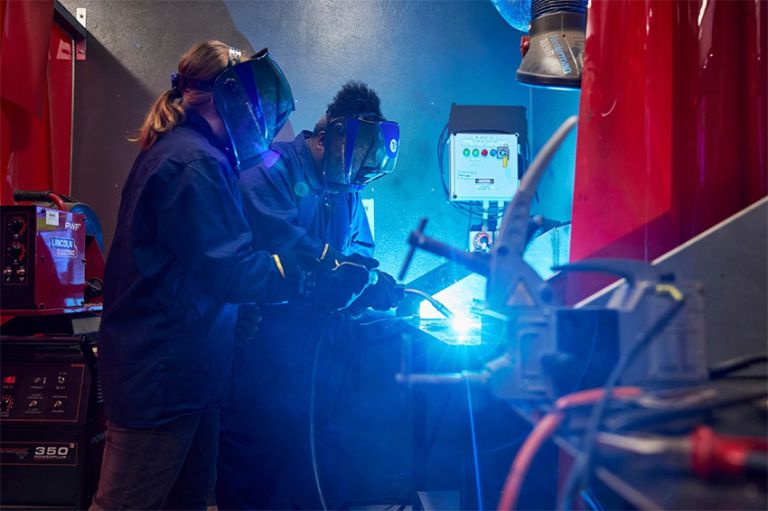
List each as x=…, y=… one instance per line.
x=43, y=258
x=483, y=166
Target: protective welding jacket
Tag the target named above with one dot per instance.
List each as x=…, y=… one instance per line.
x=181, y=259
x=288, y=207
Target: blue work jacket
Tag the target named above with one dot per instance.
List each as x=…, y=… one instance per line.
x=181, y=259
x=288, y=207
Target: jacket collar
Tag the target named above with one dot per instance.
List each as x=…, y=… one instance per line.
x=198, y=123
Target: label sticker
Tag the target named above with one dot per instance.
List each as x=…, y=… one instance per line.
x=64, y=247
x=38, y=453
x=521, y=295
x=51, y=217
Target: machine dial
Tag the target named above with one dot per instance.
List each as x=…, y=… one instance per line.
x=6, y=403
x=17, y=251
x=17, y=225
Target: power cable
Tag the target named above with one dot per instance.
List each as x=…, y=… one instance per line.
x=736, y=364
x=583, y=461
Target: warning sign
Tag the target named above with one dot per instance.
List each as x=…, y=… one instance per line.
x=521, y=295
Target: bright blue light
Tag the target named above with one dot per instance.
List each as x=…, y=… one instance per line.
x=463, y=326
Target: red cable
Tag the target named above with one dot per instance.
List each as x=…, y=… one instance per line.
x=543, y=430
x=56, y=199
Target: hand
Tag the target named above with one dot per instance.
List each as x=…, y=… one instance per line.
x=324, y=286
x=342, y=285
x=248, y=319
x=383, y=295
x=332, y=256
x=369, y=262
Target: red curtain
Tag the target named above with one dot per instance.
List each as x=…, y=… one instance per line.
x=36, y=73
x=673, y=124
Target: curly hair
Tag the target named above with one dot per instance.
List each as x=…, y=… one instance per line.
x=354, y=99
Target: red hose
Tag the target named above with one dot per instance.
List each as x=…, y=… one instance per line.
x=58, y=201
x=543, y=430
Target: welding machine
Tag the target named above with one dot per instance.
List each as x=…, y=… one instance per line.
x=51, y=410
x=43, y=253
x=53, y=423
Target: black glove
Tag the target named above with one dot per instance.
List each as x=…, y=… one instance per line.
x=369, y=262
x=383, y=295
x=248, y=319
x=299, y=271
x=338, y=287
x=330, y=257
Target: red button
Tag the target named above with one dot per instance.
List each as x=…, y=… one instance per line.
x=485, y=152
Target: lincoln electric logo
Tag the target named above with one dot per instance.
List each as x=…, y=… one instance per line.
x=64, y=247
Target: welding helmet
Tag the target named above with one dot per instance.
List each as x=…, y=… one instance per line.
x=359, y=150
x=253, y=99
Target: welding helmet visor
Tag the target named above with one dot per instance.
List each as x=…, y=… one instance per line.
x=253, y=99
x=359, y=151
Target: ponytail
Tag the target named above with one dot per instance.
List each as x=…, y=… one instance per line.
x=202, y=62
x=164, y=114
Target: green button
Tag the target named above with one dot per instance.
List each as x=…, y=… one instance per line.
x=466, y=152
x=476, y=152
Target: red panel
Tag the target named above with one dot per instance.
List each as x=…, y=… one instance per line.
x=60, y=94
x=36, y=143
x=25, y=35
x=673, y=123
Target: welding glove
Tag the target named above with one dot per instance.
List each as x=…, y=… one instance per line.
x=385, y=294
x=248, y=319
x=322, y=285
x=341, y=285
x=330, y=256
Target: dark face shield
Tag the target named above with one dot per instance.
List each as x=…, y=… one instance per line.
x=254, y=100
x=359, y=151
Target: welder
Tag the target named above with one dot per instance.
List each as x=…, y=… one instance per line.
x=181, y=260
x=278, y=448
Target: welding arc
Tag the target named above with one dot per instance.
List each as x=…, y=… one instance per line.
x=543, y=430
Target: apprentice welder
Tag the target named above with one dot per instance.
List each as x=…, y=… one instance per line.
x=304, y=196
x=182, y=258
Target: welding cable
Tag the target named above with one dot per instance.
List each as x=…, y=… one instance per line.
x=543, y=430
x=582, y=464
x=441, y=308
x=736, y=364
x=312, y=435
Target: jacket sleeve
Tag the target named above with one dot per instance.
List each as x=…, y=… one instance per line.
x=361, y=237
x=200, y=221
x=271, y=210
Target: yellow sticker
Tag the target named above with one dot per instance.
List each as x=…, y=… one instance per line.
x=521, y=295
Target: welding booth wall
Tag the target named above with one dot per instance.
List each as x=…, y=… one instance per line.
x=419, y=56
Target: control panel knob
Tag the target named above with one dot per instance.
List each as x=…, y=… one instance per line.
x=61, y=380
x=6, y=403
x=33, y=404
x=16, y=250
x=16, y=224
x=58, y=403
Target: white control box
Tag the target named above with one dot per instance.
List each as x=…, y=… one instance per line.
x=483, y=166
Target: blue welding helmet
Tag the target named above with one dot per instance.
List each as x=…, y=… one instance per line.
x=253, y=99
x=359, y=151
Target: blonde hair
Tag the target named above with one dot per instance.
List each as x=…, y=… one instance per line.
x=201, y=62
